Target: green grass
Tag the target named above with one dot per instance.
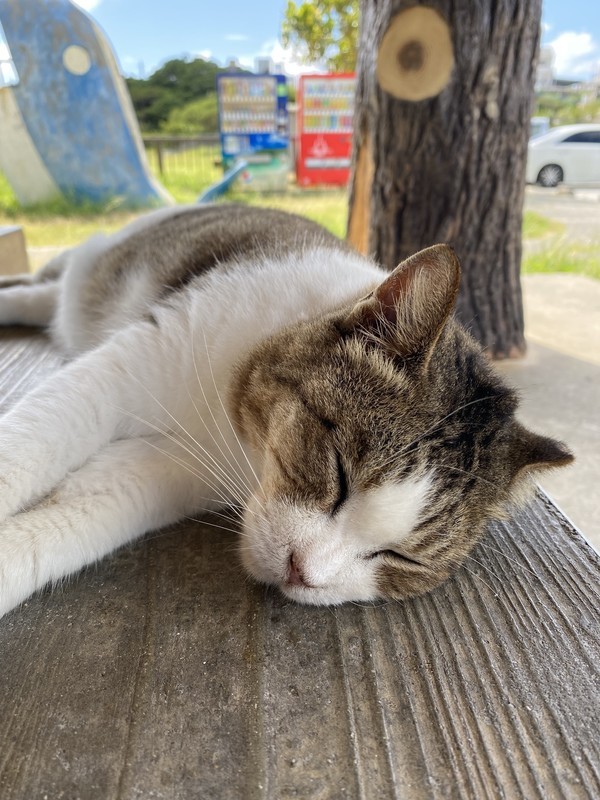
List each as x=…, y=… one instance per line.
x=61, y=223
x=328, y=207
x=535, y=226
x=580, y=259
x=187, y=173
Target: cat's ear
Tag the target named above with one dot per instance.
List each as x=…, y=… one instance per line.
x=532, y=452
x=407, y=311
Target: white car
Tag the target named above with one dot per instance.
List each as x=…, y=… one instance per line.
x=569, y=154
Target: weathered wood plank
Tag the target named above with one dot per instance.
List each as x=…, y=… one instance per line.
x=161, y=672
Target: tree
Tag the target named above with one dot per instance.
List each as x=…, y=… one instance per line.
x=199, y=116
x=444, y=99
x=567, y=109
x=175, y=84
x=323, y=31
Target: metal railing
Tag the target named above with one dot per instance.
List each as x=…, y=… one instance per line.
x=171, y=155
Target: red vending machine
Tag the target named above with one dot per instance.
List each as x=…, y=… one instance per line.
x=325, y=109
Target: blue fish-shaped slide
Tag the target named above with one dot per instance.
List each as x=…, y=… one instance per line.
x=67, y=125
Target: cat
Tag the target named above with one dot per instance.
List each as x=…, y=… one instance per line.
x=223, y=355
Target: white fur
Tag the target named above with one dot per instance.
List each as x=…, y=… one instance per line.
x=333, y=552
x=93, y=445
x=28, y=305
x=135, y=433
x=70, y=328
x=385, y=516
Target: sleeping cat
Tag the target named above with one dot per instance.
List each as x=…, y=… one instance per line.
x=228, y=356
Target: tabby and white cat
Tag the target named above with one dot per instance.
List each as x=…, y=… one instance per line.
x=224, y=355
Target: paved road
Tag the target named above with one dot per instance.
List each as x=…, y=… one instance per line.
x=578, y=210
x=560, y=377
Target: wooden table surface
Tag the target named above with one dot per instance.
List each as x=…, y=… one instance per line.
x=162, y=672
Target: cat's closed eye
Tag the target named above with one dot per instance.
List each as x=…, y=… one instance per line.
x=396, y=556
x=342, y=483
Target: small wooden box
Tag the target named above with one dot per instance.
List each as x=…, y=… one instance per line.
x=13, y=253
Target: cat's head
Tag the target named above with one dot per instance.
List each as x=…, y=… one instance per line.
x=387, y=442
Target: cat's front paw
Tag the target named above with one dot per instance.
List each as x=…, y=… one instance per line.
x=19, y=564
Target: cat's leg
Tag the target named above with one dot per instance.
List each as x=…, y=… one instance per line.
x=29, y=304
x=31, y=299
x=104, y=395
x=130, y=487
x=51, y=271
x=24, y=279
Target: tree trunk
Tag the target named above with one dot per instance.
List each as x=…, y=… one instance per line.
x=440, y=151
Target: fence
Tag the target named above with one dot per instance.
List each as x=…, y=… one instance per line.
x=176, y=158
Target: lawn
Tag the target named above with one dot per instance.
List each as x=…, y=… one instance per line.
x=61, y=224
x=562, y=256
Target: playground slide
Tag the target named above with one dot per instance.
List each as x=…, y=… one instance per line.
x=67, y=125
x=222, y=187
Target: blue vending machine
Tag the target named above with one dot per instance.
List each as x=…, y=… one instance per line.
x=253, y=126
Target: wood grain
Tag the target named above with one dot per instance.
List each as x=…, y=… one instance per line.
x=163, y=673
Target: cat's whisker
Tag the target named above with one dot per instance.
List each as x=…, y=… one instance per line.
x=470, y=474
x=222, y=497
x=411, y=445
x=238, y=467
x=483, y=566
x=212, y=525
x=226, y=413
x=236, y=530
x=241, y=480
x=225, y=476
x=479, y=578
x=225, y=517
x=221, y=478
x=176, y=421
x=513, y=560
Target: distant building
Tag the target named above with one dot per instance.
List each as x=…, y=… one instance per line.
x=544, y=75
x=263, y=65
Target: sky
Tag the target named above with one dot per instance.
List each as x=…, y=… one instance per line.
x=145, y=33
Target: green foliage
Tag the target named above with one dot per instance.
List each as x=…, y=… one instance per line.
x=151, y=103
x=199, y=116
x=323, y=31
x=566, y=109
x=174, y=85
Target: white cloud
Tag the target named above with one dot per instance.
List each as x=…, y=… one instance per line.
x=236, y=37
x=576, y=55
x=87, y=5
x=205, y=54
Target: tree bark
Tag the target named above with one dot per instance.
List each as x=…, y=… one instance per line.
x=449, y=167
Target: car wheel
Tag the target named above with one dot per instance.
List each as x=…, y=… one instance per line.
x=550, y=175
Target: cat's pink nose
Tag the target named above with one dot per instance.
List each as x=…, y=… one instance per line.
x=295, y=575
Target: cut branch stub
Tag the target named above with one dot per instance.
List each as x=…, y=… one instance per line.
x=415, y=56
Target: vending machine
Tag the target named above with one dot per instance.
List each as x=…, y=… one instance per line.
x=253, y=126
x=325, y=111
